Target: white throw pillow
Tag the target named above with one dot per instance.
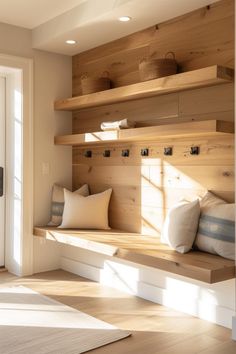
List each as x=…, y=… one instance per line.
x=216, y=232
x=57, y=204
x=86, y=212
x=181, y=225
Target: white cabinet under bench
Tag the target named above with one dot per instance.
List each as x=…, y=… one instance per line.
x=195, y=283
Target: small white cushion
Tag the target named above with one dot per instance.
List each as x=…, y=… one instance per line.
x=57, y=204
x=181, y=224
x=86, y=212
x=216, y=232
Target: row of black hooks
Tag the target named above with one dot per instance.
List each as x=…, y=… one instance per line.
x=168, y=151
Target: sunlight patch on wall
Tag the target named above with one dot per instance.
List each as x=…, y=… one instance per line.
x=162, y=186
x=152, y=202
x=190, y=298
x=120, y=276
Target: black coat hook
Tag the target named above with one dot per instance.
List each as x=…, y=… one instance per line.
x=168, y=151
x=144, y=152
x=107, y=153
x=88, y=153
x=195, y=150
x=125, y=153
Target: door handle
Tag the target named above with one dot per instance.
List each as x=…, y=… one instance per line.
x=1, y=181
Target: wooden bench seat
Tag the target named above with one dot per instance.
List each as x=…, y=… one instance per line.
x=144, y=250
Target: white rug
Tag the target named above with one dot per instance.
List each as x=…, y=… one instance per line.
x=31, y=323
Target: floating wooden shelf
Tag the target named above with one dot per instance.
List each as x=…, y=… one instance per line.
x=145, y=250
x=212, y=75
x=180, y=130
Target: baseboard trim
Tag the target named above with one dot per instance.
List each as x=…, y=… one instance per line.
x=192, y=306
x=3, y=269
x=81, y=269
x=234, y=328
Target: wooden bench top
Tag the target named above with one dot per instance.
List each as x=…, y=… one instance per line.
x=145, y=250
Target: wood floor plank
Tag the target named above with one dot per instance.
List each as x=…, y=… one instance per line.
x=155, y=328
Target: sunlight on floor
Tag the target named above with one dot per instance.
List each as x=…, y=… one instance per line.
x=20, y=306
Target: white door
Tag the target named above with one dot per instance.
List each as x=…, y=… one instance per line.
x=2, y=167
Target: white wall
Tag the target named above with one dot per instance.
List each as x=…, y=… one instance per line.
x=52, y=80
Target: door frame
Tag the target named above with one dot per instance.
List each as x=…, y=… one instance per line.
x=19, y=251
x=3, y=165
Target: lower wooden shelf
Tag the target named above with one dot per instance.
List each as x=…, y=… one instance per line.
x=180, y=130
x=144, y=250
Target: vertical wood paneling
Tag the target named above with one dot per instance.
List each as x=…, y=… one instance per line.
x=145, y=188
x=201, y=38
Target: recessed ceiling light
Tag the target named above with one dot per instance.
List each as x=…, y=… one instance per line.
x=124, y=18
x=70, y=41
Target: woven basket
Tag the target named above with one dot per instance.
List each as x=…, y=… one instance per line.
x=154, y=68
x=91, y=85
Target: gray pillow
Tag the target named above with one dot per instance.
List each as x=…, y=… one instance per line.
x=57, y=205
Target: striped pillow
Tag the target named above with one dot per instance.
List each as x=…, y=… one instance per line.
x=57, y=205
x=216, y=232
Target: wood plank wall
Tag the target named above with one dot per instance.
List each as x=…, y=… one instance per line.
x=144, y=188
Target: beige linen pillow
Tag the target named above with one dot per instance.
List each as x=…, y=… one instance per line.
x=86, y=212
x=181, y=225
x=216, y=231
x=57, y=205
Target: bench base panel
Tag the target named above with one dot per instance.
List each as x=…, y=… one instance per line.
x=177, y=292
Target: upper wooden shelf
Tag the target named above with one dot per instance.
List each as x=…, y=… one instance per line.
x=180, y=130
x=212, y=75
x=145, y=250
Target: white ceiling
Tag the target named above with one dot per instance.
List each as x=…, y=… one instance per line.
x=32, y=13
x=90, y=22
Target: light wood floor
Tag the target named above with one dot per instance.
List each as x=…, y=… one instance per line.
x=156, y=329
